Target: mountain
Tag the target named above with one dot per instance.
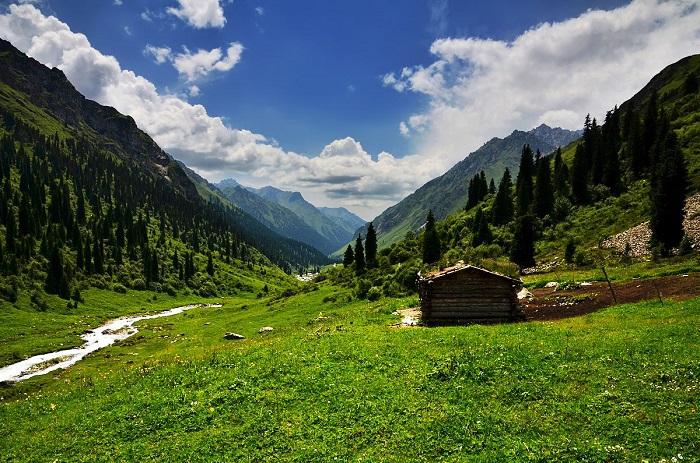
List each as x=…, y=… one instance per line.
x=276, y=217
x=347, y=219
x=336, y=232
x=97, y=152
x=448, y=193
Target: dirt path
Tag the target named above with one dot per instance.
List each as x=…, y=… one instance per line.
x=548, y=304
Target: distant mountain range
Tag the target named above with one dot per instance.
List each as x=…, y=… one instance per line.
x=448, y=193
x=290, y=215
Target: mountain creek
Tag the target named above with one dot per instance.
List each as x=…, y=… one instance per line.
x=95, y=339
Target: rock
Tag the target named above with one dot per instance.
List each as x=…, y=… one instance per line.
x=524, y=293
x=552, y=284
x=108, y=331
x=586, y=283
x=265, y=329
x=233, y=336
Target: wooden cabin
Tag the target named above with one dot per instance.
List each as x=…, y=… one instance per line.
x=467, y=294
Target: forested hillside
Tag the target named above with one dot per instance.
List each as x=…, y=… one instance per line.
x=88, y=199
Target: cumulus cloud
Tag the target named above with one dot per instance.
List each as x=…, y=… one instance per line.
x=200, y=13
x=194, y=66
x=205, y=142
x=553, y=73
x=159, y=54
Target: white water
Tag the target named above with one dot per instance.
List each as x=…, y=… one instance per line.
x=103, y=336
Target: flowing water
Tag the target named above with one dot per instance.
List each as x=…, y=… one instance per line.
x=95, y=339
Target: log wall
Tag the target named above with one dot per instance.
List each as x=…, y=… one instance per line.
x=469, y=296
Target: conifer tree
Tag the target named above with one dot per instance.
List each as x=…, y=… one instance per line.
x=210, y=265
x=349, y=256
x=579, y=177
x=523, y=185
x=544, y=193
x=371, y=247
x=359, y=256
x=522, y=252
x=668, y=191
x=431, y=241
x=503, y=204
x=482, y=233
x=649, y=132
x=561, y=175
x=492, y=187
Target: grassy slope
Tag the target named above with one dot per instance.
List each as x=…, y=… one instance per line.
x=617, y=385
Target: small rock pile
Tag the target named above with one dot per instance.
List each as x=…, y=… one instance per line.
x=639, y=236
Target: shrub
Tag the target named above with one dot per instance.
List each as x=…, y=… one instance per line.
x=8, y=292
x=374, y=293
x=119, y=288
x=39, y=302
x=138, y=284
x=362, y=288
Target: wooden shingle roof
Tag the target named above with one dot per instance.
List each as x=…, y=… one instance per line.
x=461, y=267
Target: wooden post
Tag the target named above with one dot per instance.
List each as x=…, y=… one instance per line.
x=612, y=291
x=658, y=293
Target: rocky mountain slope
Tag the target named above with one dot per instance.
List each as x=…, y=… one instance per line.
x=448, y=193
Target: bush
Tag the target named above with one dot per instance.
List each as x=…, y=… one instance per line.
x=39, y=302
x=374, y=293
x=119, y=288
x=138, y=284
x=686, y=246
x=8, y=292
x=362, y=287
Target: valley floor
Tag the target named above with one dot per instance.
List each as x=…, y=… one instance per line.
x=334, y=381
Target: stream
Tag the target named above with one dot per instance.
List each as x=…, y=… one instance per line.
x=95, y=339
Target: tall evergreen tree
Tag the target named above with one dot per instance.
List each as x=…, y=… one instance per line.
x=359, y=256
x=524, y=184
x=579, y=177
x=492, y=187
x=503, y=208
x=544, y=192
x=431, y=241
x=482, y=232
x=210, y=265
x=349, y=257
x=371, y=247
x=668, y=191
x=522, y=252
x=561, y=175
x=649, y=132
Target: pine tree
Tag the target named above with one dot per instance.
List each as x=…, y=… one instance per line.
x=561, y=175
x=492, y=187
x=544, y=192
x=210, y=265
x=431, y=241
x=668, y=191
x=502, y=211
x=649, y=132
x=482, y=232
x=522, y=252
x=359, y=256
x=523, y=185
x=371, y=247
x=579, y=177
x=349, y=256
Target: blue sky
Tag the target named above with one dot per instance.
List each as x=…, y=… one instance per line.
x=310, y=72
x=353, y=103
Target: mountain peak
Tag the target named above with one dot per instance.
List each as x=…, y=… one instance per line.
x=228, y=183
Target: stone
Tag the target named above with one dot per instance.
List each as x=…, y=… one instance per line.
x=233, y=336
x=524, y=293
x=265, y=329
x=552, y=284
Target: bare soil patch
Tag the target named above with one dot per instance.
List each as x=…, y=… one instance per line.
x=551, y=304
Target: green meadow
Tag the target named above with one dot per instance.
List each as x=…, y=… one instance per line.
x=335, y=381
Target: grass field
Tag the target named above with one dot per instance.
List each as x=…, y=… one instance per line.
x=334, y=381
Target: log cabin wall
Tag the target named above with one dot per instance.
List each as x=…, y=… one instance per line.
x=469, y=295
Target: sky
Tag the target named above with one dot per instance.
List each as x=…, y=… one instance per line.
x=353, y=103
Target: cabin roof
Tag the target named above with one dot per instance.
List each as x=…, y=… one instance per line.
x=461, y=267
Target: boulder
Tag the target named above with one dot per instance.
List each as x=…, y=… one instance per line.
x=524, y=293
x=233, y=336
x=265, y=329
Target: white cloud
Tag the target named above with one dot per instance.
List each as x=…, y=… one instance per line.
x=260, y=10
x=200, y=64
x=343, y=174
x=127, y=30
x=159, y=54
x=193, y=91
x=553, y=73
x=118, y=2
x=200, y=13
